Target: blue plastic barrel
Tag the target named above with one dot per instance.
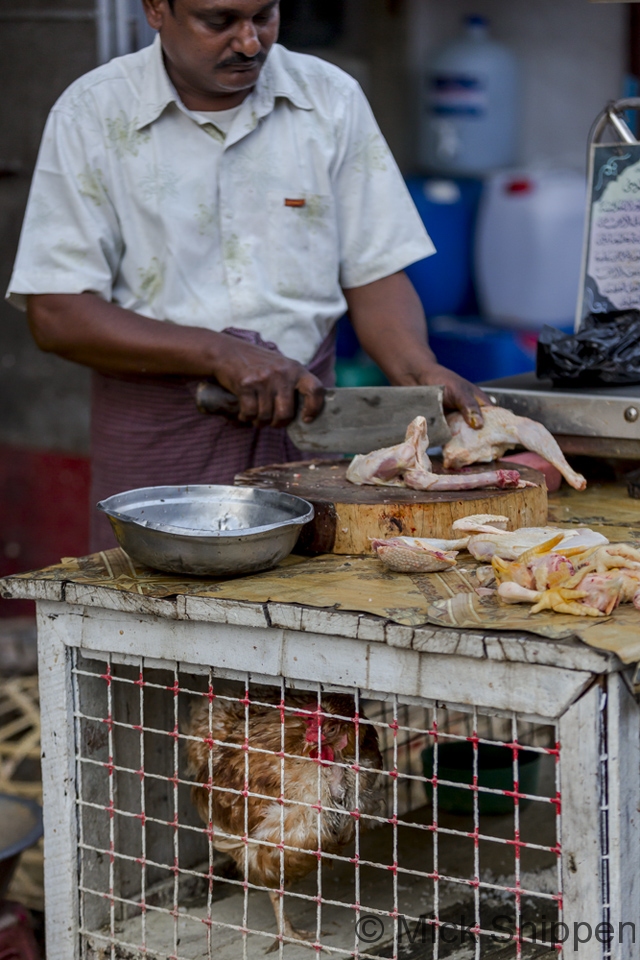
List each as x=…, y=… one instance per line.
x=448, y=209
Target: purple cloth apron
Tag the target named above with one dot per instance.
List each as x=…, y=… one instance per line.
x=147, y=432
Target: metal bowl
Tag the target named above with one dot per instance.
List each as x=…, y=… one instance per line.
x=20, y=827
x=207, y=530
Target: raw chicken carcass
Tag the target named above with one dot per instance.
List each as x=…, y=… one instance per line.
x=261, y=806
x=407, y=464
x=585, y=582
x=386, y=467
x=510, y=545
x=418, y=554
x=503, y=430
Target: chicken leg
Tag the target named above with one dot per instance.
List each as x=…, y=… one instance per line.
x=286, y=928
x=502, y=431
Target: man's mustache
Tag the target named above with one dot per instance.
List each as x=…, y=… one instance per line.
x=239, y=60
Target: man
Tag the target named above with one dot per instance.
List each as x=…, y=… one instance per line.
x=207, y=208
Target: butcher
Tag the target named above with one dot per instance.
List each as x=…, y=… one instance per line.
x=208, y=207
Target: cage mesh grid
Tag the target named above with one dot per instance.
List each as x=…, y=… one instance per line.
x=120, y=907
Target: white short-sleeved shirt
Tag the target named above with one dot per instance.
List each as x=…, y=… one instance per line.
x=152, y=207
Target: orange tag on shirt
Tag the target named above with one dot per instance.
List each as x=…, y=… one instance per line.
x=294, y=203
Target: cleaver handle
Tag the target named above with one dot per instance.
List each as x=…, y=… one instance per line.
x=212, y=398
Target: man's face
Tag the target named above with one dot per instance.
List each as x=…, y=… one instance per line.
x=215, y=47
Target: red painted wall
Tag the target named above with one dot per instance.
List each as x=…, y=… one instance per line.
x=44, y=513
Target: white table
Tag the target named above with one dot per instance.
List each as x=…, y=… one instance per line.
x=582, y=693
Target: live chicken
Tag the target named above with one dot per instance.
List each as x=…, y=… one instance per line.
x=261, y=795
x=407, y=465
x=502, y=431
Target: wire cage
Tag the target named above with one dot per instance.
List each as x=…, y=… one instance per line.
x=225, y=816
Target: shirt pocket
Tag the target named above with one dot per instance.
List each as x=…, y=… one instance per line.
x=303, y=254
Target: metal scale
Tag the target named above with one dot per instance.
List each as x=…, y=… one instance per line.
x=601, y=422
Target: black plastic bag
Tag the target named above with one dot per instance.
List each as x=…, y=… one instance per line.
x=605, y=352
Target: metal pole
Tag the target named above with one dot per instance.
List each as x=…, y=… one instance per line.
x=123, y=27
x=103, y=30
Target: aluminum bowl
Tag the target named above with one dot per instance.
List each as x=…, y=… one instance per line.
x=207, y=530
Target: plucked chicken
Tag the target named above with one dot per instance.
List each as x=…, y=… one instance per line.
x=407, y=465
x=313, y=738
x=509, y=545
x=585, y=582
x=503, y=431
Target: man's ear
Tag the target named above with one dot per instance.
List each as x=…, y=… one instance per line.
x=156, y=12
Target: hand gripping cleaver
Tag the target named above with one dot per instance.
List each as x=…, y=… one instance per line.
x=353, y=419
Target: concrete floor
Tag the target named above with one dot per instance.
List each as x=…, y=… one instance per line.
x=415, y=898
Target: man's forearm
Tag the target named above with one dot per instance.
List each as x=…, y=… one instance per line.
x=84, y=328
x=388, y=319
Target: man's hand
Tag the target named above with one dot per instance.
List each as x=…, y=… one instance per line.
x=459, y=394
x=265, y=382
x=388, y=319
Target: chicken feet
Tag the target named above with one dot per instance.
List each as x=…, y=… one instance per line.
x=286, y=928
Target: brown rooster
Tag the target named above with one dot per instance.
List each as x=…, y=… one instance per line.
x=315, y=739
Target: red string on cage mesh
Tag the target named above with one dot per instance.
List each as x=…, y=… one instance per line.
x=109, y=766
x=142, y=817
x=108, y=676
x=108, y=722
x=140, y=682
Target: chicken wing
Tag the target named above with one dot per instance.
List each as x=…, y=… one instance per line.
x=502, y=431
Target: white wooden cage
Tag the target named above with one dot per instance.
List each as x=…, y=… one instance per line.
x=132, y=870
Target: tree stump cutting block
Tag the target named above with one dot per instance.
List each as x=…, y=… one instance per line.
x=348, y=517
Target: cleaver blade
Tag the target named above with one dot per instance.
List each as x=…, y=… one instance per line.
x=353, y=419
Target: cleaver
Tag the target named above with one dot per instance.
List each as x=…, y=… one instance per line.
x=353, y=419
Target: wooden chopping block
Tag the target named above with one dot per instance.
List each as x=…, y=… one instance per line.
x=347, y=516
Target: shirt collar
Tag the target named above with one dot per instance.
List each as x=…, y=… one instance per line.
x=275, y=80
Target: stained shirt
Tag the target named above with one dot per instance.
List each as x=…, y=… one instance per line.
x=152, y=207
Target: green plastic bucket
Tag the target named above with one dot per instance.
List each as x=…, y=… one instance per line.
x=495, y=770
